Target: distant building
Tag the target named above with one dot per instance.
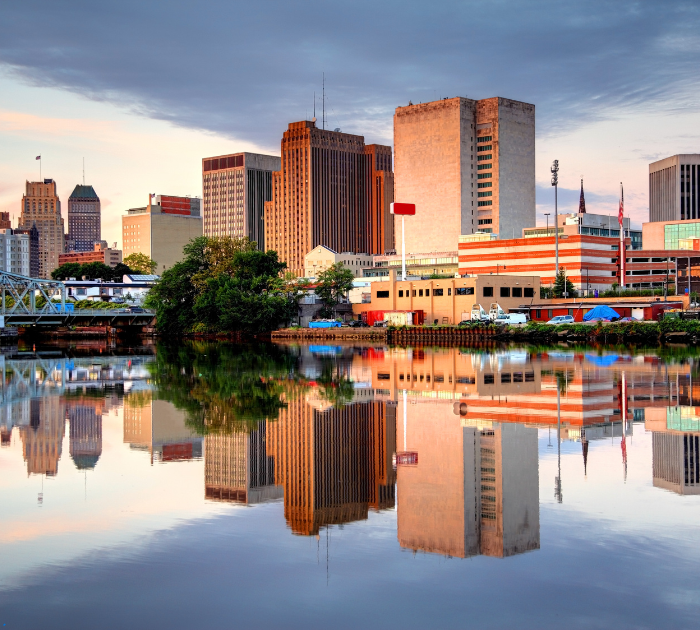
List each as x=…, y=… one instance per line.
x=14, y=252
x=468, y=165
x=85, y=435
x=670, y=234
x=674, y=188
x=236, y=188
x=133, y=289
x=33, y=235
x=676, y=461
x=42, y=438
x=332, y=190
x=162, y=229
x=589, y=224
x=41, y=207
x=421, y=265
x=5, y=222
x=321, y=258
x=100, y=253
x=84, y=219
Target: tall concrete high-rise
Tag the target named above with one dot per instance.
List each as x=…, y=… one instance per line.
x=32, y=234
x=332, y=190
x=676, y=461
x=235, y=188
x=84, y=219
x=674, y=188
x=468, y=165
x=14, y=252
x=41, y=207
x=42, y=438
x=162, y=228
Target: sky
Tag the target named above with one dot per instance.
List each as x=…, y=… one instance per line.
x=143, y=90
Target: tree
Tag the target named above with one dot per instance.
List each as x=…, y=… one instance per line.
x=559, y=285
x=67, y=270
x=140, y=263
x=219, y=253
x=333, y=283
x=94, y=270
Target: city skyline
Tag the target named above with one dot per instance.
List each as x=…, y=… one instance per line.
x=604, y=120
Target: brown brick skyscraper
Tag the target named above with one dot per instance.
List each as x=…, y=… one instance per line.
x=332, y=190
x=41, y=207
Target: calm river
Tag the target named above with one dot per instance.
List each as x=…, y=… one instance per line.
x=225, y=486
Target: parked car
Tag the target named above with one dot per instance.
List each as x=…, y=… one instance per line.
x=628, y=319
x=136, y=309
x=596, y=320
x=561, y=319
x=380, y=324
x=357, y=323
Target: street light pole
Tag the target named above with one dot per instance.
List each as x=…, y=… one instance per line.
x=547, y=215
x=555, y=183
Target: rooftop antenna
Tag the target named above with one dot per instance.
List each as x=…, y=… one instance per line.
x=83, y=171
x=314, y=118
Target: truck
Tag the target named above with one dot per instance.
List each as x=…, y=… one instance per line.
x=479, y=314
x=495, y=311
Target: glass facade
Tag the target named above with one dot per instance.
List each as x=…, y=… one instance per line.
x=677, y=231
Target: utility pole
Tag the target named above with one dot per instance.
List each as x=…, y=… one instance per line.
x=555, y=183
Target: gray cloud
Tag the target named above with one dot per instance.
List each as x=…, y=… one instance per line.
x=247, y=69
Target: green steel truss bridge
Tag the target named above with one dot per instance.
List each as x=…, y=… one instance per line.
x=20, y=295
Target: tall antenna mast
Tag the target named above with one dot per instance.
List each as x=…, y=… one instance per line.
x=324, y=100
x=314, y=105
x=83, y=171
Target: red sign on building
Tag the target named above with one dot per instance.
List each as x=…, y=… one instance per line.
x=403, y=208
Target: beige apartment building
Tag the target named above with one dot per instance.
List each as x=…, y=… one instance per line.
x=321, y=258
x=468, y=166
x=674, y=188
x=42, y=207
x=450, y=300
x=162, y=229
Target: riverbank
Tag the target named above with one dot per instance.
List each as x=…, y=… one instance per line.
x=667, y=331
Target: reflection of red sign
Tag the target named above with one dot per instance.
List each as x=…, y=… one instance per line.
x=403, y=208
x=407, y=458
x=173, y=452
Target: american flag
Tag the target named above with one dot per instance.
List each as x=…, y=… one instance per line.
x=38, y=157
x=621, y=212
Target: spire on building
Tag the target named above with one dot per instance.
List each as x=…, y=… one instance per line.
x=582, y=201
x=584, y=443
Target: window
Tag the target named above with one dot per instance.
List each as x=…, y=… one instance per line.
x=488, y=291
x=382, y=294
x=517, y=292
x=420, y=292
x=487, y=147
x=484, y=139
x=481, y=167
x=427, y=293
x=485, y=221
x=464, y=291
x=481, y=158
x=505, y=377
x=484, y=185
x=571, y=312
x=437, y=292
x=538, y=314
x=484, y=176
x=517, y=377
x=505, y=291
x=382, y=376
x=449, y=291
x=414, y=293
x=487, y=193
x=529, y=292
x=400, y=292
x=529, y=377
x=488, y=379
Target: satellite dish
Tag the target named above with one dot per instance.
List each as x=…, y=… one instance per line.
x=337, y=129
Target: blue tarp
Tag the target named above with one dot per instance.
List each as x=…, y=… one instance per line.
x=603, y=361
x=601, y=311
x=324, y=324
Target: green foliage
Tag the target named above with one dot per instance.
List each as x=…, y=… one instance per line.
x=615, y=292
x=90, y=271
x=140, y=263
x=559, y=285
x=222, y=285
x=333, y=283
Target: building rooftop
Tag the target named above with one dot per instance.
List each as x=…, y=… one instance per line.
x=84, y=192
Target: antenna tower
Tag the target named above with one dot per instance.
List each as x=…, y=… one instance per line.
x=324, y=100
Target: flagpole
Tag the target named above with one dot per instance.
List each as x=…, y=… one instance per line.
x=623, y=259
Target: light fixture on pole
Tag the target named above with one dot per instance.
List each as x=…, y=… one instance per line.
x=403, y=209
x=547, y=215
x=555, y=183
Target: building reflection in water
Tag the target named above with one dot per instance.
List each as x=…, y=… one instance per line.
x=238, y=468
x=334, y=463
x=85, y=423
x=42, y=436
x=158, y=427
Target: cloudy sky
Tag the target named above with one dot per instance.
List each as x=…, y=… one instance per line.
x=144, y=89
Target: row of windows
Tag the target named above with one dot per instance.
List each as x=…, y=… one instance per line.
x=488, y=193
x=485, y=203
x=486, y=147
x=481, y=167
x=484, y=139
x=481, y=158
x=483, y=175
x=506, y=377
x=485, y=221
x=484, y=185
x=516, y=292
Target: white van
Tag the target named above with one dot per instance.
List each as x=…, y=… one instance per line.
x=511, y=318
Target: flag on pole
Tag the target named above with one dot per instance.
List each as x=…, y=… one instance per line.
x=620, y=217
x=38, y=157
